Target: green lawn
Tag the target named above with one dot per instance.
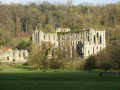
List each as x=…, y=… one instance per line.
x=33, y=80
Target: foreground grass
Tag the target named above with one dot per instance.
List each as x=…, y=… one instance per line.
x=57, y=81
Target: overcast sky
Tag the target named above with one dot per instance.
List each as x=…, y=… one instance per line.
x=76, y=2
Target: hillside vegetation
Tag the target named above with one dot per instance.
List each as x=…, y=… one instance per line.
x=16, y=19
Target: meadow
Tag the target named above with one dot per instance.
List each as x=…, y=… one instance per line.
x=56, y=80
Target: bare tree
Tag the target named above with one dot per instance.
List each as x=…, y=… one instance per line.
x=70, y=3
x=40, y=59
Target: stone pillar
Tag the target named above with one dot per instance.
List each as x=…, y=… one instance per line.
x=21, y=55
x=104, y=41
x=70, y=51
x=25, y=53
x=16, y=55
x=1, y=54
x=11, y=55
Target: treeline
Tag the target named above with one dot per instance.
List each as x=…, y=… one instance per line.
x=108, y=59
x=46, y=57
x=16, y=18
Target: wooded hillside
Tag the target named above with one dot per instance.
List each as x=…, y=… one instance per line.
x=16, y=19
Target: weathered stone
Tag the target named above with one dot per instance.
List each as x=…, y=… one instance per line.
x=86, y=42
x=13, y=56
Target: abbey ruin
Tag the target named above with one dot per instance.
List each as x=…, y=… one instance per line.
x=85, y=42
x=9, y=56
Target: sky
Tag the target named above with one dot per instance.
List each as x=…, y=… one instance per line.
x=75, y=2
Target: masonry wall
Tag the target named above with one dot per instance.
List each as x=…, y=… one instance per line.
x=86, y=42
x=13, y=56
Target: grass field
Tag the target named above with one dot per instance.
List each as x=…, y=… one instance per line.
x=33, y=80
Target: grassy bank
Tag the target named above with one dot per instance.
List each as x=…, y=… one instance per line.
x=24, y=68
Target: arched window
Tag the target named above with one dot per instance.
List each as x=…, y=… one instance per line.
x=100, y=39
x=100, y=48
x=97, y=48
x=86, y=34
x=38, y=37
x=44, y=36
x=7, y=57
x=97, y=34
x=49, y=37
x=94, y=39
x=88, y=38
x=93, y=49
x=53, y=37
x=34, y=37
x=13, y=60
x=77, y=35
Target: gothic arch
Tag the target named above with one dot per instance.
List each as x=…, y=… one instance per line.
x=97, y=34
x=88, y=38
x=100, y=39
x=38, y=37
x=71, y=42
x=88, y=52
x=44, y=36
x=76, y=43
x=100, y=48
x=94, y=39
x=34, y=36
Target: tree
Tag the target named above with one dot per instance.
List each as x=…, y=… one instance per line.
x=40, y=58
x=22, y=45
x=61, y=57
x=90, y=63
x=109, y=58
x=69, y=3
x=106, y=66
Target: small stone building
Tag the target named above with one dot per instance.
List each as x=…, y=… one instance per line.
x=7, y=55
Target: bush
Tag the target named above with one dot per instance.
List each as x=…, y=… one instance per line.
x=57, y=64
x=90, y=63
x=106, y=66
x=22, y=45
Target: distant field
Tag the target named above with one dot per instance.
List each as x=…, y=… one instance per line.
x=34, y=80
x=17, y=40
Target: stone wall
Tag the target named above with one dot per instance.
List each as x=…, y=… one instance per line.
x=13, y=56
x=86, y=42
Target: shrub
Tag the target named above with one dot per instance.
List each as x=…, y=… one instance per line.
x=90, y=63
x=106, y=66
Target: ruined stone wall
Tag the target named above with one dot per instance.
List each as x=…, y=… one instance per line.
x=86, y=42
x=13, y=56
x=96, y=42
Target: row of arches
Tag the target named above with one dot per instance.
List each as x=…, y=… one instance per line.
x=94, y=50
x=73, y=36
x=99, y=39
x=71, y=43
x=36, y=37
